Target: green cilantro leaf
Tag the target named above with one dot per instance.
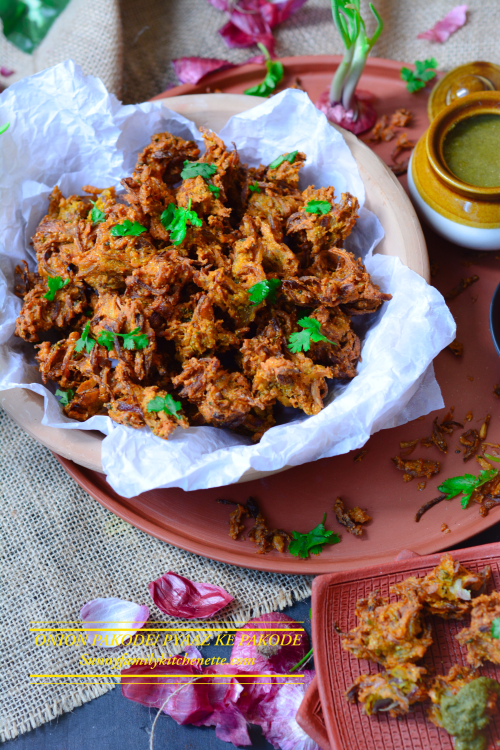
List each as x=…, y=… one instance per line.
x=214, y=189
x=64, y=396
x=301, y=341
x=285, y=157
x=318, y=207
x=167, y=404
x=131, y=341
x=262, y=290
x=54, y=283
x=96, y=215
x=85, y=341
x=312, y=543
x=175, y=220
x=254, y=187
x=425, y=70
x=495, y=628
x=194, y=168
x=4, y=128
x=128, y=229
x=466, y=485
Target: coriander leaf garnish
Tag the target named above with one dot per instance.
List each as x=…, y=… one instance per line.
x=301, y=341
x=54, y=283
x=128, y=229
x=466, y=485
x=4, y=128
x=318, y=207
x=312, y=543
x=96, y=215
x=424, y=71
x=495, y=628
x=198, y=168
x=264, y=290
x=85, y=340
x=131, y=341
x=175, y=220
x=167, y=404
x=64, y=396
x=254, y=187
x=285, y=157
x=274, y=75
x=214, y=189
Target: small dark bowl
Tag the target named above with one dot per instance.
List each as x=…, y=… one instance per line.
x=495, y=319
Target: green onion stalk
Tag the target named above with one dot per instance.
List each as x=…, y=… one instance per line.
x=341, y=104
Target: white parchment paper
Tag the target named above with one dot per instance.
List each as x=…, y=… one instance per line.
x=67, y=130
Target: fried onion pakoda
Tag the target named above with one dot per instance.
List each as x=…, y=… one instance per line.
x=174, y=304
x=447, y=590
x=390, y=634
x=393, y=691
x=479, y=638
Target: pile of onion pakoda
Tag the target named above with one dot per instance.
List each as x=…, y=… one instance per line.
x=210, y=294
x=396, y=635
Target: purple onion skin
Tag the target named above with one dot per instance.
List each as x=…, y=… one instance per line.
x=273, y=649
x=336, y=113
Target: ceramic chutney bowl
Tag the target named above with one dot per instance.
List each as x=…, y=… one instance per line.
x=454, y=172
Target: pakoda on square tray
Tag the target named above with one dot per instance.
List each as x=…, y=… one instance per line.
x=449, y=684
x=390, y=634
x=393, y=691
x=183, y=303
x=481, y=638
x=447, y=590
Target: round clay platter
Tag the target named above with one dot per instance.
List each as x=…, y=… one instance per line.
x=297, y=498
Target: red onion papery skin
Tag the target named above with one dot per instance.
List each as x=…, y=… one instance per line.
x=277, y=717
x=223, y=694
x=268, y=656
x=190, y=705
x=179, y=597
x=337, y=114
x=193, y=69
x=256, y=692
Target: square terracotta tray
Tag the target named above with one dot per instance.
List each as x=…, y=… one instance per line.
x=334, y=600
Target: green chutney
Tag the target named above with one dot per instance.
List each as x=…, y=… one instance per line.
x=465, y=716
x=471, y=150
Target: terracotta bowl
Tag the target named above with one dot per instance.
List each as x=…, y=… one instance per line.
x=384, y=196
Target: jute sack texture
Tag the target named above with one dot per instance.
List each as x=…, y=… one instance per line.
x=157, y=31
x=60, y=549
x=87, y=31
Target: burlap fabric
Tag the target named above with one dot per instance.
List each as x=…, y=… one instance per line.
x=61, y=548
x=157, y=31
x=87, y=31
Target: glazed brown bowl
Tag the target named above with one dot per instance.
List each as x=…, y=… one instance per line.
x=465, y=214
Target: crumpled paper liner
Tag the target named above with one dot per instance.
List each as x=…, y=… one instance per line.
x=67, y=130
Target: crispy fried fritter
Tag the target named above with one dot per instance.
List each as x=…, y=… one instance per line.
x=390, y=634
x=172, y=309
x=447, y=590
x=457, y=677
x=418, y=467
x=478, y=638
x=351, y=519
x=393, y=691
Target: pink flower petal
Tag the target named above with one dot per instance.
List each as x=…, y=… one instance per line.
x=6, y=72
x=442, y=30
x=336, y=113
x=272, y=650
x=278, y=717
x=193, y=69
x=100, y=615
x=179, y=597
x=148, y=685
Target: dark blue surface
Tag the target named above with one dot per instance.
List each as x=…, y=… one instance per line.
x=115, y=723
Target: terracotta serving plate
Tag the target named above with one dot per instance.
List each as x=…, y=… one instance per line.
x=310, y=716
x=403, y=235
x=334, y=601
